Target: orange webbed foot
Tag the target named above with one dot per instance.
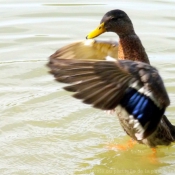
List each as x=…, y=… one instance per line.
x=122, y=147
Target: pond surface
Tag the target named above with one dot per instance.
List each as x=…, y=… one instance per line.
x=43, y=130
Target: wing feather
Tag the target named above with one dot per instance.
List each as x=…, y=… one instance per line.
x=103, y=83
x=94, y=49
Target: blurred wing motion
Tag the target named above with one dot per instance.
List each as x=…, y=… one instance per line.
x=88, y=50
x=135, y=86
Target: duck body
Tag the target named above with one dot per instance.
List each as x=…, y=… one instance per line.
x=160, y=136
x=129, y=85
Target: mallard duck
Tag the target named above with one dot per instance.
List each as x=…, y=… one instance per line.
x=130, y=85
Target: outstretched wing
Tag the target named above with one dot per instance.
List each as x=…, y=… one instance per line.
x=88, y=50
x=94, y=81
x=135, y=86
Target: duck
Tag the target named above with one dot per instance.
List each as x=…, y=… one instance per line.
x=126, y=83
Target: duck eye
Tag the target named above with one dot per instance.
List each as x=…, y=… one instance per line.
x=114, y=19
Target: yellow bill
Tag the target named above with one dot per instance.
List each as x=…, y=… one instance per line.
x=98, y=31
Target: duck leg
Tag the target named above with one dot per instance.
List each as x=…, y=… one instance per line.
x=153, y=156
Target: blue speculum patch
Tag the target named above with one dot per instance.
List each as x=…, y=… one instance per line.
x=142, y=108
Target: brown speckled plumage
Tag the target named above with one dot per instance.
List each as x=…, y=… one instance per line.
x=130, y=48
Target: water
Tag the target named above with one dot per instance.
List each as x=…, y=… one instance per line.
x=43, y=130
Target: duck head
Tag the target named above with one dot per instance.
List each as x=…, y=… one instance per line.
x=114, y=21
